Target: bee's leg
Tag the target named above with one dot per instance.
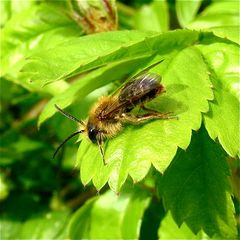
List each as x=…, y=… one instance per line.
x=100, y=145
x=141, y=118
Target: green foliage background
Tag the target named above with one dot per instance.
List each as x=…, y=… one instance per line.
x=168, y=179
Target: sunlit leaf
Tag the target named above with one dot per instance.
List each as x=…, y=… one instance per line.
x=185, y=77
x=5, y=11
x=215, y=21
x=81, y=51
x=9, y=8
x=168, y=178
x=82, y=87
x=222, y=121
x=37, y=28
x=88, y=52
x=222, y=6
x=229, y=32
x=222, y=18
x=110, y=216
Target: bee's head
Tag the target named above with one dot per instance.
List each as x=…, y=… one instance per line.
x=92, y=132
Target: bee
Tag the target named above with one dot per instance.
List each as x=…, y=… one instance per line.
x=110, y=113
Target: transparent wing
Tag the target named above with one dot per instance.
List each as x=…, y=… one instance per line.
x=132, y=93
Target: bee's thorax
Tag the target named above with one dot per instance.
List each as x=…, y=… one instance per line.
x=109, y=126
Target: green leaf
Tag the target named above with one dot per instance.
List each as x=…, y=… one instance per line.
x=5, y=12
x=187, y=10
x=83, y=86
x=170, y=230
x=222, y=14
x=4, y=187
x=35, y=29
x=215, y=21
x=185, y=77
x=13, y=145
x=49, y=65
x=110, y=216
x=230, y=7
x=80, y=223
x=9, y=229
x=221, y=18
x=229, y=32
x=195, y=188
x=9, y=8
x=222, y=121
x=153, y=17
x=19, y=6
x=96, y=50
x=48, y=226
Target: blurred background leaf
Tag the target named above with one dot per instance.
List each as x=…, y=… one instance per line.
x=153, y=17
x=187, y=10
x=111, y=216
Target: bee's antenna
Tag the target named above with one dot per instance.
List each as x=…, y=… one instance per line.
x=68, y=115
x=65, y=140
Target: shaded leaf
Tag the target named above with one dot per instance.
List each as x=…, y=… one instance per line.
x=13, y=145
x=195, y=188
x=152, y=217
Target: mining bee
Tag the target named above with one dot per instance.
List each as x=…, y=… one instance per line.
x=108, y=115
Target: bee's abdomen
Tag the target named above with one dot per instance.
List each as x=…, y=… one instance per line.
x=141, y=90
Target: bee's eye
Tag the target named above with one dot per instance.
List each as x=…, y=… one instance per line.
x=92, y=133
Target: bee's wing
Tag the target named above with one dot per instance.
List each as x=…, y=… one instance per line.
x=131, y=92
x=139, y=87
x=140, y=74
x=114, y=109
